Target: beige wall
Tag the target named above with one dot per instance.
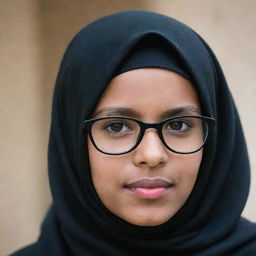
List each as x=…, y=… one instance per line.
x=33, y=37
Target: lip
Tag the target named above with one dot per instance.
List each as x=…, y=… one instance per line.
x=148, y=188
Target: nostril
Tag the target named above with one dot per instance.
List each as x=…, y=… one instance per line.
x=151, y=160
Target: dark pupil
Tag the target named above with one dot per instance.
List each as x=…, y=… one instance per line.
x=117, y=127
x=176, y=125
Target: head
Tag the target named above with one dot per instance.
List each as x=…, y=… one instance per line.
x=149, y=176
x=148, y=185
x=169, y=196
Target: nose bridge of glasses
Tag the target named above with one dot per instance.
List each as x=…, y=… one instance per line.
x=146, y=126
x=154, y=127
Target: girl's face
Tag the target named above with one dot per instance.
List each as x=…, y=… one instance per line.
x=148, y=185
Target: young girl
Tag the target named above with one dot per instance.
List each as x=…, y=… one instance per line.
x=146, y=151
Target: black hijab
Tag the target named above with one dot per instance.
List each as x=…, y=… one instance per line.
x=210, y=222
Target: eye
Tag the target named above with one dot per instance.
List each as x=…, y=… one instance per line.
x=117, y=127
x=177, y=125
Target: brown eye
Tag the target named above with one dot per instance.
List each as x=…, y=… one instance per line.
x=115, y=127
x=177, y=125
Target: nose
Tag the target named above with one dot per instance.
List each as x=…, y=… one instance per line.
x=151, y=151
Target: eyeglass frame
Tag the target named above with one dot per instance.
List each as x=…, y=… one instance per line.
x=87, y=126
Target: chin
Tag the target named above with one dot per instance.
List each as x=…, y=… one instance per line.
x=149, y=221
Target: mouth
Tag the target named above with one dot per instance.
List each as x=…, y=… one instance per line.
x=148, y=188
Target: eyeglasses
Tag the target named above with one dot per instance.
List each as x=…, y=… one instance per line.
x=117, y=135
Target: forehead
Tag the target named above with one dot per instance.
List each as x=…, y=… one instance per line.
x=148, y=90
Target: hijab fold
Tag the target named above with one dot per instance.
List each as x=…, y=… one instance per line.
x=77, y=223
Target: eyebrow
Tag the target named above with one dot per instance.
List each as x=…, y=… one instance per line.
x=186, y=110
x=120, y=111
x=116, y=111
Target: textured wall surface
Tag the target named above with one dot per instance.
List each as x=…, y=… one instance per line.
x=33, y=37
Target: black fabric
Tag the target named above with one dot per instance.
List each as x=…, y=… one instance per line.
x=152, y=53
x=77, y=223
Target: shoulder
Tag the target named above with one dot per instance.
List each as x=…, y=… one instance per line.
x=26, y=251
x=245, y=233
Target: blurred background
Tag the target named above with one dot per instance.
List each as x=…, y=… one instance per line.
x=33, y=37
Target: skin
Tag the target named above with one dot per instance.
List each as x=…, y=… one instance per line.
x=149, y=93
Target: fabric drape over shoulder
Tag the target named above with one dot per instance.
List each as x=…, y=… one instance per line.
x=210, y=222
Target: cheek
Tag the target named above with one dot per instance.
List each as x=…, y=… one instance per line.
x=98, y=166
x=189, y=167
x=106, y=173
